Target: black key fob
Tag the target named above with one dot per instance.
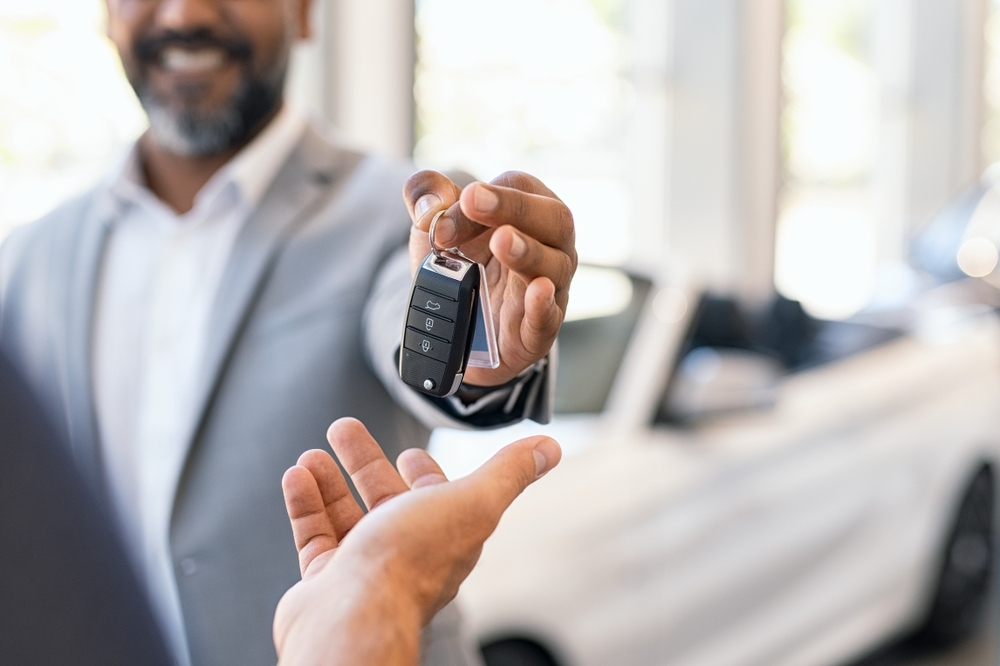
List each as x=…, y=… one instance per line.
x=440, y=324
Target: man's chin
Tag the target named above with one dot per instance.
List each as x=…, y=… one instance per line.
x=195, y=134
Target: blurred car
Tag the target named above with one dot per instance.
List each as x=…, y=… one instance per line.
x=962, y=238
x=747, y=486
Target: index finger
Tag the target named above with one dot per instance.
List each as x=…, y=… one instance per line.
x=372, y=473
x=542, y=217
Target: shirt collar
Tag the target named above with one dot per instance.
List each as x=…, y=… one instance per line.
x=251, y=171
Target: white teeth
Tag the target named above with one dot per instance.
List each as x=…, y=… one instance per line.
x=185, y=61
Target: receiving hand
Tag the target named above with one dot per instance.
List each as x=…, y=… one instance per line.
x=524, y=236
x=371, y=581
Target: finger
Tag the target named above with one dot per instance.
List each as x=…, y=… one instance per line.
x=478, y=212
x=372, y=473
x=341, y=508
x=525, y=182
x=503, y=477
x=544, y=218
x=529, y=258
x=542, y=316
x=418, y=469
x=427, y=192
x=311, y=529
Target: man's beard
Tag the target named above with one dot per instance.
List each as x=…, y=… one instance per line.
x=193, y=133
x=197, y=133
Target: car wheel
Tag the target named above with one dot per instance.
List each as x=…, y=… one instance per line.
x=516, y=652
x=967, y=566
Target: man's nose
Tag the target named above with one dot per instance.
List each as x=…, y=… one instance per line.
x=186, y=15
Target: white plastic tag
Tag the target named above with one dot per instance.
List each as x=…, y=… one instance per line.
x=485, y=352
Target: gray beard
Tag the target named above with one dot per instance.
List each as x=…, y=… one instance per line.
x=202, y=133
x=190, y=133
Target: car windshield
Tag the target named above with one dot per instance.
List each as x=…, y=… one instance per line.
x=604, y=307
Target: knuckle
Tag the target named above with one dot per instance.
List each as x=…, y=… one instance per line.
x=527, y=474
x=519, y=207
x=513, y=179
x=567, y=268
x=566, y=218
x=534, y=258
x=525, y=182
x=423, y=182
x=565, y=227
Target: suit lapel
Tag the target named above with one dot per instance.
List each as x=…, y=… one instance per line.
x=85, y=251
x=298, y=190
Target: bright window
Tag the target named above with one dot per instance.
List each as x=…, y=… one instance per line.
x=66, y=110
x=534, y=85
x=991, y=86
x=826, y=251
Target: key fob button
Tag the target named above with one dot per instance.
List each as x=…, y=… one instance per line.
x=427, y=345
x=439, y=328
x=434, y=304
x=439, y=284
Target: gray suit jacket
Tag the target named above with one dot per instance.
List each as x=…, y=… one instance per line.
x=304, y=331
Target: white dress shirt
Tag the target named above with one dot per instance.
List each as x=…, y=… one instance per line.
x=159, y=277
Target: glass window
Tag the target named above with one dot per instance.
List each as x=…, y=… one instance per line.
x=534, y=85
x=65, y=107
x=827, y=230
x=991, y=86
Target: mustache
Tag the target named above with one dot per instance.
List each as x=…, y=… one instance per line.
x=148, y=49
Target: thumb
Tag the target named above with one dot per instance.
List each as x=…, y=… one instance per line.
x=512, y=469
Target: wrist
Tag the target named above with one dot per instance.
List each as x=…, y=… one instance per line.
x=382, y=621
x=369, y=619
x=383, y=629
x=481, y=381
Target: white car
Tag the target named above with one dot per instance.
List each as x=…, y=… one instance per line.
x=747, y=490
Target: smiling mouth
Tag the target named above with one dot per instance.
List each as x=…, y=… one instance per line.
x=177, y=60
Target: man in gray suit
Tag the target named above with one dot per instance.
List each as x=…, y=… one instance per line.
x=195, y=322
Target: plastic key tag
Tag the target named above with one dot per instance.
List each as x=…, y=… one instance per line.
x=485, y=353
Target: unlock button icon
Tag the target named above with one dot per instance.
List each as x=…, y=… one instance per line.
x=426, y=324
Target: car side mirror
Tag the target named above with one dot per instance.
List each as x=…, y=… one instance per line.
x=712, y=381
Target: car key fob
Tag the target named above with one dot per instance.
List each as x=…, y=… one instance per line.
x=440, y=324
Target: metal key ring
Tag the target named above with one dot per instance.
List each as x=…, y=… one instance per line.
x=442, y=252
x=430, y=234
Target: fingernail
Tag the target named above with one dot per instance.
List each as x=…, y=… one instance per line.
x=484, y=199
x=444, y=232
x=517, y=246
x=547, y=454
x=425, y=204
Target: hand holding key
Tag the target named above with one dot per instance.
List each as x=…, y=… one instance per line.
x=524, y=235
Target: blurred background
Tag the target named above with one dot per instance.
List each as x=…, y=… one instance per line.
x=829, y=152
x=824, y=132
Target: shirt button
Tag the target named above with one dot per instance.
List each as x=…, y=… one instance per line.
x=188, y=565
